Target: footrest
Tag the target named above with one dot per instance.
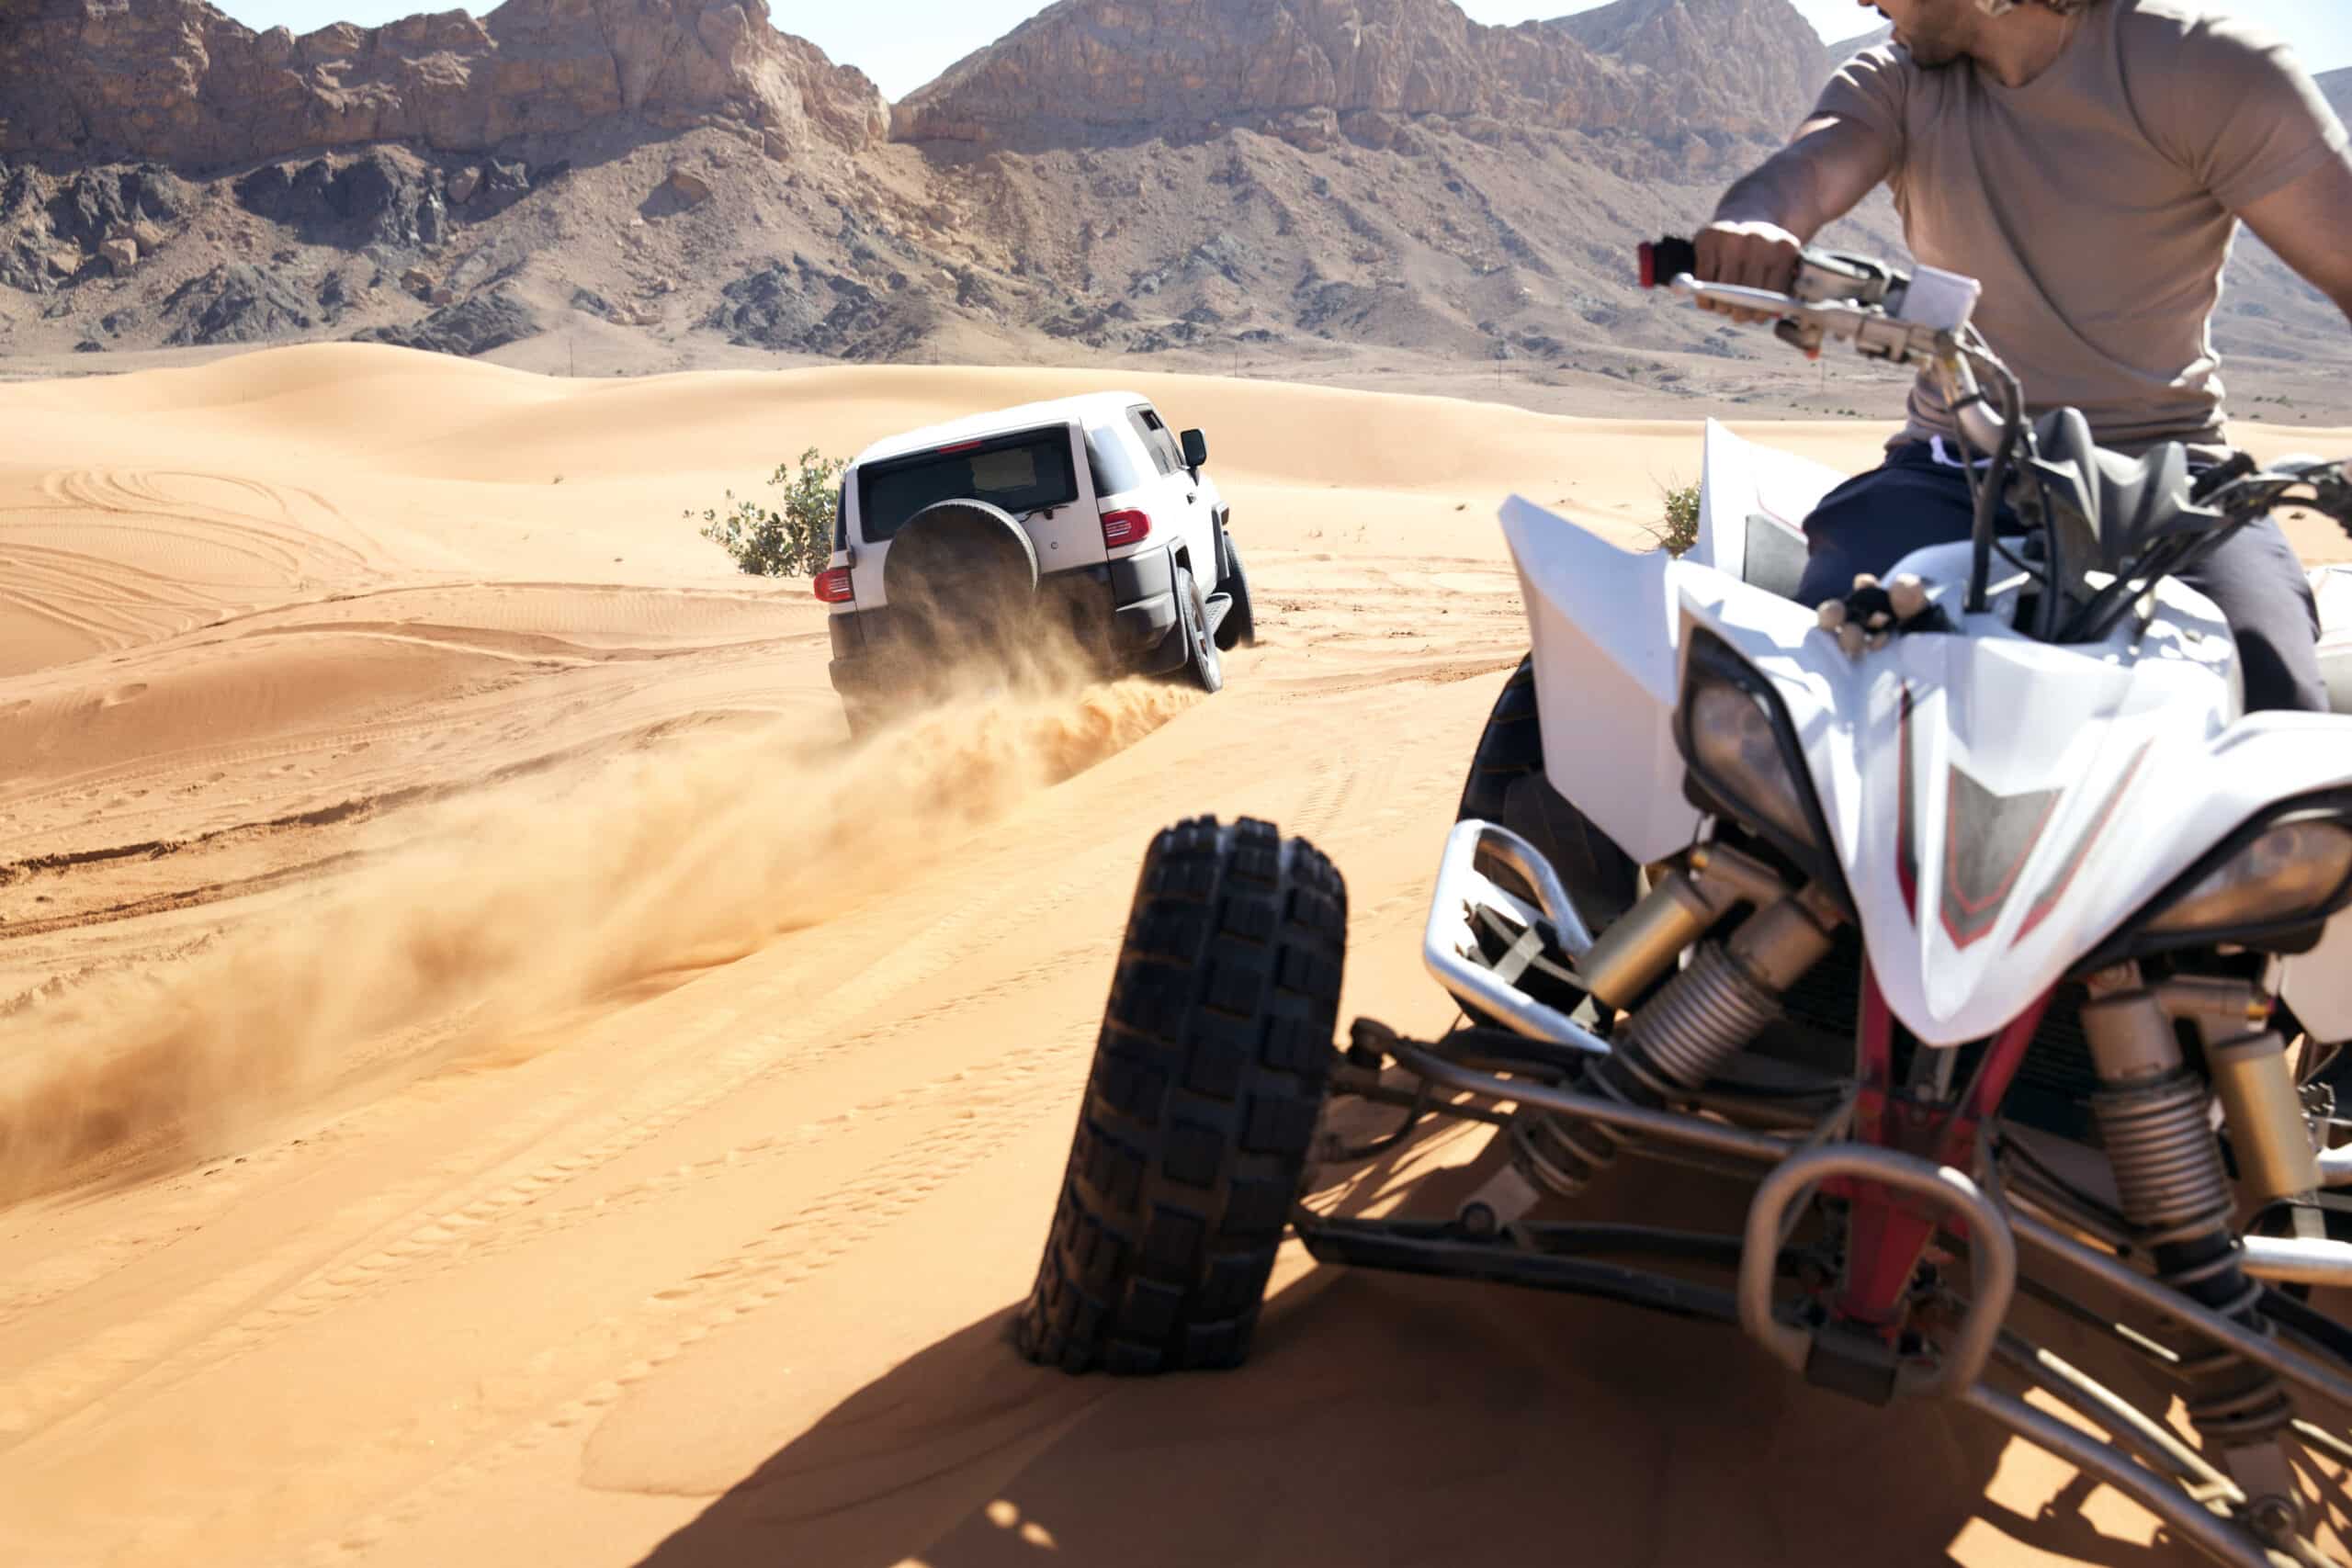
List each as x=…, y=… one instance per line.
x=1219, y=606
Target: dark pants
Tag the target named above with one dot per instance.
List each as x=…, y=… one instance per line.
x=1919, y=498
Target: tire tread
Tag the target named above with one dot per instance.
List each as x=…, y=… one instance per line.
x=1208, y=1081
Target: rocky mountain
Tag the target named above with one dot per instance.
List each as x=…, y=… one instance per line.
x=650, y=182
x=178, y=82
x=1719, y=64
x=1083, y=70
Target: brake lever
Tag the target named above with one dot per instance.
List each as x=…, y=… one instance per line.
x=1803, y=335
x=2333, y=490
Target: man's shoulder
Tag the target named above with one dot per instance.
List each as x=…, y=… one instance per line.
x=2188, y=36
x=1884, y=72
x=1889, y=56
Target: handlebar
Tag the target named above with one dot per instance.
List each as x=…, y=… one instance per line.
x=1901, y=318
x=1924, y=318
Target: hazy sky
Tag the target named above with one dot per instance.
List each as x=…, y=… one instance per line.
x=904, y=43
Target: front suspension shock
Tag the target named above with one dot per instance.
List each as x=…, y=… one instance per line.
x=1715, y=1008
x=2154, y=1117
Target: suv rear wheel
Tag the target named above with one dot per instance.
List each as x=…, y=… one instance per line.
x=1240, y=623
x=1200, y=649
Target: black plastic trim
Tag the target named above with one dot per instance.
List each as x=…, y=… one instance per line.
x=2298, y=934
x=1710, y=657
x=1138, y=577
x=848, y=634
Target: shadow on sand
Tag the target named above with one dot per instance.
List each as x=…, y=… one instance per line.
x=1386, y=1419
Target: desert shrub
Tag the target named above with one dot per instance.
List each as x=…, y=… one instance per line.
x=793, y=538
x=1679, y=530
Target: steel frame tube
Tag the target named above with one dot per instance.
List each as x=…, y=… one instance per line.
x=2216, y=1536
x=1669, y=1125
x=2297, y=1260
x=1992, y=1256
x=2117, y=1276
x=2155, y=1442
x=1475, y=985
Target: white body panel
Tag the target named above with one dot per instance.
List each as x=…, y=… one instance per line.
x=1183, y=509
x=2332, y=589
x=1603, y=631
x=1739, y=480
x=2318, y=984
x=1999, y=807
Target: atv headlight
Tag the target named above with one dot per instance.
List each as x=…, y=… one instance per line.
x=1742, y=750
x=2294, y=873
x=1735, y=747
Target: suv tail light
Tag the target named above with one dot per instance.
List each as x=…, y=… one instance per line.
x=833, y=586
x=1126, y=527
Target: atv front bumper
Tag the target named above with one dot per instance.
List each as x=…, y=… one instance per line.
x=1779, y=1279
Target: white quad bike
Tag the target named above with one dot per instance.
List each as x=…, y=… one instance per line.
x=1970, y=923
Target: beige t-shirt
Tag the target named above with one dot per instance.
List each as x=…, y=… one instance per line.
x=2097, y=202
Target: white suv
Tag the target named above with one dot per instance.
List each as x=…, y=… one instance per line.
x=1088, y=506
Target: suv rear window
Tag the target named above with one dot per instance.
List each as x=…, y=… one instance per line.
x=1020, y=473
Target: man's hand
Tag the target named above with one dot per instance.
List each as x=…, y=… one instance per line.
x=1749, y=255
x=1763, y=221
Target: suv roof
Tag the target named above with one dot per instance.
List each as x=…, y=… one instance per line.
x=1091, y=410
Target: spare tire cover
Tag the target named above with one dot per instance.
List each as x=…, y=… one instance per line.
x=960, y=557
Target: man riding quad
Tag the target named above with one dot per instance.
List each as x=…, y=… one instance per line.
x=2089, y=161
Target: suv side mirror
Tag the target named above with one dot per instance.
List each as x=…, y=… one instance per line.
x=1196, y=449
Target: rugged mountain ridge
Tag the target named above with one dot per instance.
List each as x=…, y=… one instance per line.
x=1306, y=69
x=178, y=82
x=753, y=204
x=1749, y=65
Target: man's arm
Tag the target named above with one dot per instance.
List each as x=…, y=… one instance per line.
x=2309, y=222
x=1765, y=219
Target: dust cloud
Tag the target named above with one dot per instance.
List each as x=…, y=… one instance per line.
x=480, y=915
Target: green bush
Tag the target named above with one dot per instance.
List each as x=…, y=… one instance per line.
x=794, y=539
x=1682, y=529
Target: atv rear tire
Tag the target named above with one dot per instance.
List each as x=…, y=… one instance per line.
x=1507, y=786
x=1193, y=1137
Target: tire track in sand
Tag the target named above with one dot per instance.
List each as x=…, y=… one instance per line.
x=43, y=1397
x=728, y=1290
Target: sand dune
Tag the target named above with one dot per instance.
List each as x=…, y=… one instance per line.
x=489, y=1072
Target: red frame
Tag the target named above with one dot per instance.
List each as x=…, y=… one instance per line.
x=1887, y=1233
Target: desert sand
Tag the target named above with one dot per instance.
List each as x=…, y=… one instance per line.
x=490, y=1074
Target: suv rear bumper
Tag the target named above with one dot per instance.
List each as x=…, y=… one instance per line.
x=1123, y=610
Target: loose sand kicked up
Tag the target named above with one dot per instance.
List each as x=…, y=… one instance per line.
x=489, y=1072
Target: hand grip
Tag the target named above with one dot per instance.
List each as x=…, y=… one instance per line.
x=1663, y=261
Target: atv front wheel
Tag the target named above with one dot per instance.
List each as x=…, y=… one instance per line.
x=1208, y=1082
